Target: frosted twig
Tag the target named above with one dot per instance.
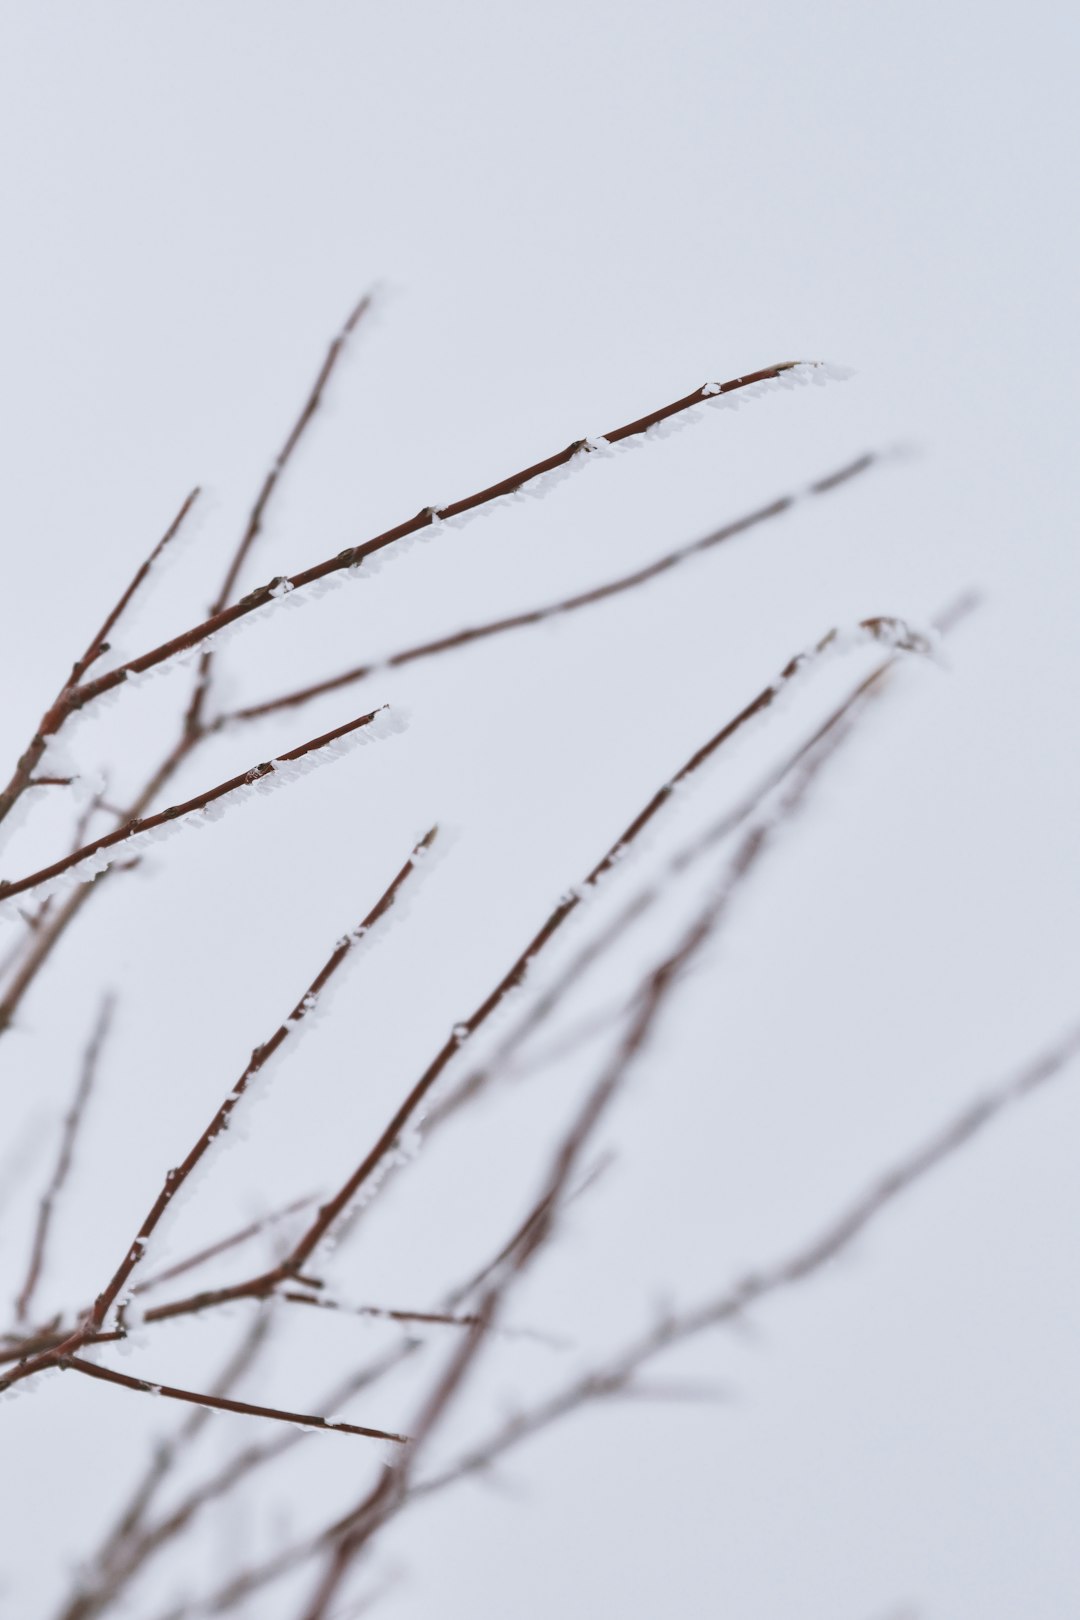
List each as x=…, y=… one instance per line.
x=809, y=757
x=222, y=1246
x=70, y=1130
x=86, y=863
x=353, y=557
x=551, y=610
x=91, y=1328
x=222, y=1403
x=889, y=630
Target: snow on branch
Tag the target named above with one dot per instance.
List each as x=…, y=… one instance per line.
x=180, y=1178
x=566, y=605
x=391, y=1144
x=352, y=559
x=83, y=865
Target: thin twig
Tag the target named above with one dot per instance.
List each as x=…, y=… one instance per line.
x=193, y=717
x=354, y=556
x=551, y=610
x=614, y=1376
x=91, y=1328
x=55, y=716
x=222, y=1246
x=885, y=629
x=350, y=1536
x=190, y=807
x=222, y=1403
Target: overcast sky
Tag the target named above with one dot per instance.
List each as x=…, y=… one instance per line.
x=573, y=213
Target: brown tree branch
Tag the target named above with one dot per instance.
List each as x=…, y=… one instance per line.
x=551, y=610
x=55, y=716
x=354, y=556
x=616, y=1375
x=193, y=717
x=120, y=836
x=222, y=1403
x=91, y=1329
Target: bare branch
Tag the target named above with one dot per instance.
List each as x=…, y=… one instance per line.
x=551, y=610
x=222, y=1403
x=354, y=556
x=91, y=1328
x=222, y=1246
x=615, y=1376
x=193, y=717
x=90, y=855
x=889, y=630
x=55, y=716
x=100, y=643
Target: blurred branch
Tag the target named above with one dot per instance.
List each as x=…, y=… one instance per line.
x=55, y=716
x=616, y=1375
x=892, y=631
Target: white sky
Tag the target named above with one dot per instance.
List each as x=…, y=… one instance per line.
x=576, y=212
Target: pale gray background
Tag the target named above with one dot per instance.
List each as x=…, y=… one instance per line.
x=576, y=212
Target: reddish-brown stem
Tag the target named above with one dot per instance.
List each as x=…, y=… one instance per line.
x=382, y=1312
x=568, y=604
x=349, y=1538
x=462, y=1032
x=62, y=1167
x=54, y=717
x=222, y=1403
x=193, y=717
x=354, y=556
x=201, y=801
x=257, y=1062
x=615, y=1377
x=91, y=1328
x=212, y=1251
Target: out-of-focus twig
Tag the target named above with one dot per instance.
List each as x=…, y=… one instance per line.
x=223, y=1403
